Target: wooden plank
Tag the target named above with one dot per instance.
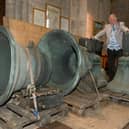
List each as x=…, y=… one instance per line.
x=78, y=103
x=19, y=117
x=80, y=100
x=14, y=117
x=116, y=96
x=8, y=115
x=21, y=111
x=24, y=32
x=106, y=91
x=3, y=125
x=87, y=95
x=11, y=119
x=53, y=114
x=33, y=126
x=54, y=110
x=56, y=125
x=24, y=121
x=70, y=100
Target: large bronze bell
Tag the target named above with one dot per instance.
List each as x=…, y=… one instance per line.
x=120, y=83
x=96, y=76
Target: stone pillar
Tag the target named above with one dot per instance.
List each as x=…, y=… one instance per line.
x=10, y=8
x=65, y=5
x=30, y=11
x=89, y=26
x=25, y=10
x=78, y=17
x=18, y=9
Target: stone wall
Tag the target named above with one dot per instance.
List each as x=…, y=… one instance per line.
x=121, y=9
x=76, y=10
x=22, y=10
x=99, y=9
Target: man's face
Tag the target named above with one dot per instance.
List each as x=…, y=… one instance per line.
x=112, y=19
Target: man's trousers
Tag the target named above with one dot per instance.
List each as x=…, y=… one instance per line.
x=112, y=61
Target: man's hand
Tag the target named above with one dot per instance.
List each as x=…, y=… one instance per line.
x=104, y=52
x=127, y=30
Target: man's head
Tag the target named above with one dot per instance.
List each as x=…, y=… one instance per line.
x=112, y=19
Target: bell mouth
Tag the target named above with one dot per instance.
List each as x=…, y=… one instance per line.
x=5, y=62
x=64, y=54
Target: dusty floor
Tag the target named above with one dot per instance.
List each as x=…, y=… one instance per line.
x=109, y=116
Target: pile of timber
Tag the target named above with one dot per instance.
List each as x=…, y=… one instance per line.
x=78, y=103
x=18, y=113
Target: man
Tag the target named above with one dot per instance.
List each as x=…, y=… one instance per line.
x=114, y=32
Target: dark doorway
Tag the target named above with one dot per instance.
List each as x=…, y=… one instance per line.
x=2, y=11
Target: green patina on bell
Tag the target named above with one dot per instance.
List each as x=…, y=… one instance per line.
x=120, y=83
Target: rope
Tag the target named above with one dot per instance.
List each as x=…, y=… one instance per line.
x=31, y=88
x=95, y=85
